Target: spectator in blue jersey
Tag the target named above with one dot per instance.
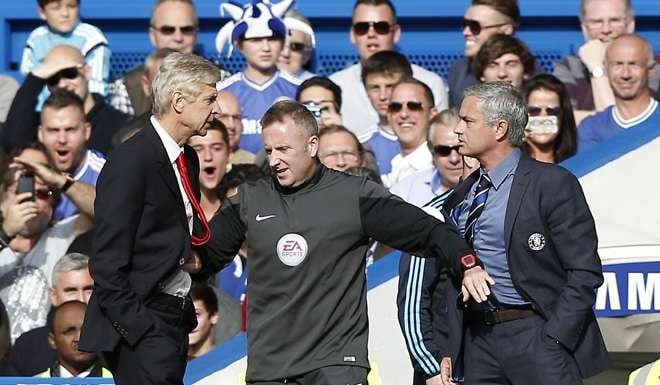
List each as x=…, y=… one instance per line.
x=380, y=73
x=296, y=55
x=411, y=108
x=629, y=64
x=63, y=68
x=63, y=133
x=63, y=26
x=374, y=28
x=258, y=32
x=323, y=98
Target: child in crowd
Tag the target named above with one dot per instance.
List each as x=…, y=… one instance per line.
x=63, y=26
x=379, y=75
x=258, y=32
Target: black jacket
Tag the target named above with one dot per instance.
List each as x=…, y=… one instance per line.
x=22, y=121
x=306, y=248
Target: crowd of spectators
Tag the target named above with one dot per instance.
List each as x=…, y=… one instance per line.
x=383, y=117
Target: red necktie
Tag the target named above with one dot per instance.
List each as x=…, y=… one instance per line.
x=183, y=172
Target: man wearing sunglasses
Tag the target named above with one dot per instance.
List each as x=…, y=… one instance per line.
x=483, y=19
x=375, y=29
x=409, y=112
x=298, y=46
x=63, y=68
x=173, y=25
x=584, y=74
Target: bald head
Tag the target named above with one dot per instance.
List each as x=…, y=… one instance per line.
x=65, y=52
x=630, y=64
x=230, y=116
x=65, y=57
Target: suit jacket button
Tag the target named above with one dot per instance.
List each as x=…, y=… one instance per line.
x=182, y=261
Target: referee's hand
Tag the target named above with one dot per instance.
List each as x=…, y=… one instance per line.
x=476, y=283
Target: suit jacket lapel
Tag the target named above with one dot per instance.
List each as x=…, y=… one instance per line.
x=166, y=172
x=518, y=188
x=460, y=192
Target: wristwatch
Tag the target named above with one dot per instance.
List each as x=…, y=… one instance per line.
x=469, y=261
x=598, y=72
x=68, y=183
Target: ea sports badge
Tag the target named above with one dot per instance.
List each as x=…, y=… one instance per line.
x=291, y=249
x=536, y=241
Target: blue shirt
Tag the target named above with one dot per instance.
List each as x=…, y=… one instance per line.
x=420, y=187
x=607, y=123
x=88, y=172
x=385, y=147
x=489, y=241
x=255, y=99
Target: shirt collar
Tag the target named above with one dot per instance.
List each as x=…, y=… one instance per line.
x=171, y=147
x=503, y=169
x=421, y=157
x=66, y=374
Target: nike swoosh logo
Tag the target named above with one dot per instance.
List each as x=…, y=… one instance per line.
x=259, y=218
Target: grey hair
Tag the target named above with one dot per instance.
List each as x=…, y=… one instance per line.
x=448, y=118
x=69, y=262
x=501, y=101
x=156, y=57
x=184, y=72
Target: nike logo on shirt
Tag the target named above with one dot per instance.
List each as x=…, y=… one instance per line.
x=259, y=218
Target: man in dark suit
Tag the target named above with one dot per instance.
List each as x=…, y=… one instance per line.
x=537, y=265
x=140, y=313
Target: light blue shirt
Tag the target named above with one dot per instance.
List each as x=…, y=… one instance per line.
x=489, y=241
x=420, y=187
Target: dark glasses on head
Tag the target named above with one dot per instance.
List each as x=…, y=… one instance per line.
x=170, y=29
x=535, y=110
x=381, y=27
x=475, y=27
x=296, y=46
x=441, y=150
x=395, y=107
x=67, y=73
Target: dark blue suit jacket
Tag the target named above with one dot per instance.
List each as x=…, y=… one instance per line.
x=561, y=277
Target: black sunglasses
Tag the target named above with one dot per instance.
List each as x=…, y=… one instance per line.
x=168, y=30
x=67, y=73
x=535, y=110
x=296, y=46
x=475, y=27
x=381, y=27
x=395, y=107
x=441, y=150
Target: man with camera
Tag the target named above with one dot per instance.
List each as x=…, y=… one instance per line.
x=30, y=241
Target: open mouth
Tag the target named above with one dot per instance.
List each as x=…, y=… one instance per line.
x=209, y=171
